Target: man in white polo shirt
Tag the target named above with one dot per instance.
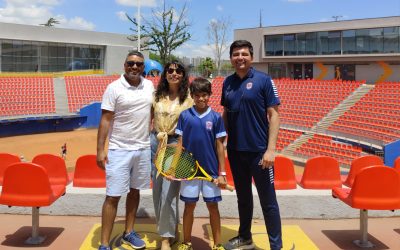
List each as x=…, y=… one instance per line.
x=125, y=119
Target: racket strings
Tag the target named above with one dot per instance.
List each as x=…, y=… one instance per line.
x=176, y=163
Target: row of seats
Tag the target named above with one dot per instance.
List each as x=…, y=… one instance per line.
x=42, y=182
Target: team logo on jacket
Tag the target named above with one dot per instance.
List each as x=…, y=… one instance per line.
x=209, y=125
x=249, y=85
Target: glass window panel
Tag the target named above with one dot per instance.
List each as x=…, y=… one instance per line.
x=349, y=42
x=376, y=40
x=274, y=45
x=6, y=48
x=362, y=41
x=289, y=44
x=322, y=43
x=391, y=40
x=53, y=50
x=334, y=42
x=301, y=43
x=311, y=43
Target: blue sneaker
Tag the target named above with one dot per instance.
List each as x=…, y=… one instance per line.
x=101, y=247
x=133, y=239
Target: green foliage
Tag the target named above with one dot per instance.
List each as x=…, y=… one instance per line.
x=207, y=66
x=51, y=22
x=165, y=32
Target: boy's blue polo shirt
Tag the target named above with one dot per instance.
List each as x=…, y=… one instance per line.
x=199, y=133
x=246, y=101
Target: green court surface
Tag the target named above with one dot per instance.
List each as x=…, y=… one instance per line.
x=293, y=237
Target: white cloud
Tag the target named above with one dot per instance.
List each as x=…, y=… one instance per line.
x=220, y=8
x=38, y=12
x=197, y=50
x=121, y=15
x=134, y=3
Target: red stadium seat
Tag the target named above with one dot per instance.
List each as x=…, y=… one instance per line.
x=56, y=168
x=374, y=188
x=321, y=172
x=28, y=185
x=229, y=176
x=284, y=176
x=359, y=164
x=397, y=164
x=5, y=160
x=88, y=174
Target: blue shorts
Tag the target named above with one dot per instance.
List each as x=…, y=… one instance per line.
x=190, y=191
x=127, y=169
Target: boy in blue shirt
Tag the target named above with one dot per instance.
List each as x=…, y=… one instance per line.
x=202, y=133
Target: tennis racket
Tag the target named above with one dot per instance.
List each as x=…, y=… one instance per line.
x=176, y=163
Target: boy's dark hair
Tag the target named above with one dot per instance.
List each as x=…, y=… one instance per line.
x=199, y=85
x=134, y=53
x=240, y=44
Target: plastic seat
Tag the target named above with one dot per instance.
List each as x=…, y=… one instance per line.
x=284, y=176
x=28, y=185
x=397, y=164
x=321, y=172
x=88, y=174
x=359, y=164
x=5, y=160
x=229, y=176
x=56, y=168
x=374, y=188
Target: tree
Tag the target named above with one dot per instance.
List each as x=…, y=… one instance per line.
x=218, y=38
x=166, y=31
x=207, y=66
x=50, y=22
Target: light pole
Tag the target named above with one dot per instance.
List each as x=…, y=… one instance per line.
x=336, y=17
x=138, y=18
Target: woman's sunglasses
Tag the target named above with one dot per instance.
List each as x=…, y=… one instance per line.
x=131, y=63
x=179, y=71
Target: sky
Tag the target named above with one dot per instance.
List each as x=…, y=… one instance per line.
x=109, y=15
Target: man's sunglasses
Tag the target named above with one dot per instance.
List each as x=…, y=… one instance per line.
x=131, y=63
x=179, y=71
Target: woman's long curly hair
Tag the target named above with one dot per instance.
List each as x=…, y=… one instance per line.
x=163, y=86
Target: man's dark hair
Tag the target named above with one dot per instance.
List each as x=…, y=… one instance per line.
x=200, y=85
x=134, y=53
x=240, y=44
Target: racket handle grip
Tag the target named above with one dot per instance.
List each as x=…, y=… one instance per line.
x=228, y=187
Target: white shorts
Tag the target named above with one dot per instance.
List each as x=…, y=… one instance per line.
x=190, y=191
x=127, y=169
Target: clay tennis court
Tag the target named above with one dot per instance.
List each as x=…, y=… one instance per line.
x=79, y=142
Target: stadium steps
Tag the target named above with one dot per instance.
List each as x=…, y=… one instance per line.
x=325, y=122
x=60, y=95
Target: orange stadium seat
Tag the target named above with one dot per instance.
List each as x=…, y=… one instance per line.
x=397, y=164
x=56, y=168
x=284, y=176
x=374, y=188
x=359, y=164
x=28, y=185
x=5, y=160
x=229, y=177
x=321, y=172
x=88, y=174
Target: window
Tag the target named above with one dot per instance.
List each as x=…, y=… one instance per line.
x=301, y=43
x=274, y=45
x=289, y=45
x=311, y=43
x=349, y=42
x=334, y=42
x=322, y=43
x=376, y=40
x=391, y=40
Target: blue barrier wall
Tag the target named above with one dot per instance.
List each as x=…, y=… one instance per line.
x=391, y=152
x=93, y=114
x=35, y=125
